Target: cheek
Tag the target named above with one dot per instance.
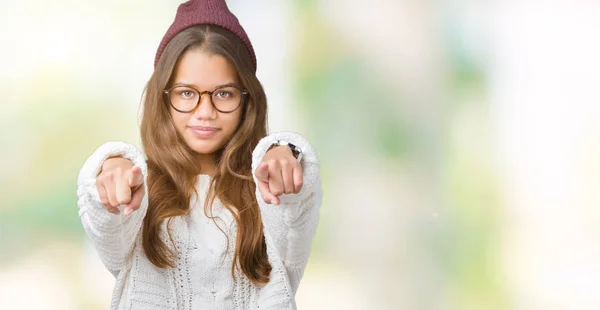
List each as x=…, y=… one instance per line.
x=233, y=122
x=180, y=121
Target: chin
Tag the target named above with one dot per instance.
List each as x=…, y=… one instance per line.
x=204, y=146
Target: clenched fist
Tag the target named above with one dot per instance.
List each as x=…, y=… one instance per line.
x=120, y=183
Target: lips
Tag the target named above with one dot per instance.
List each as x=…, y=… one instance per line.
x=203, y=128
x=203, y=131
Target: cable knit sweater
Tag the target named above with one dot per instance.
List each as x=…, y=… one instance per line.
x=201, y=278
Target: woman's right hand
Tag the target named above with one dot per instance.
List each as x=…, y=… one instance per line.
x=120, y=182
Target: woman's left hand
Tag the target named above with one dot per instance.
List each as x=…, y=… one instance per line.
x=279, y=173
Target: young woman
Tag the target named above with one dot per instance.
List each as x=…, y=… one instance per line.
x=218, y=215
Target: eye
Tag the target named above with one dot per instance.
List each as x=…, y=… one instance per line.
x=222, y=94
x=186, y=94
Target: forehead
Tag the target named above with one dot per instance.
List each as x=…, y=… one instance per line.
x=204, y=70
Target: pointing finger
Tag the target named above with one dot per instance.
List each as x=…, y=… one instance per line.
x=136, y=201
x=262, y=172
x=263, y=187
x=275, y=179
x=102, y=194
x=122, y=189
x=104, y=199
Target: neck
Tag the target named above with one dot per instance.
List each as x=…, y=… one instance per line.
x=206, y=164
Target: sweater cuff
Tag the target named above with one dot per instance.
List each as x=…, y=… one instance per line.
x=94, y=163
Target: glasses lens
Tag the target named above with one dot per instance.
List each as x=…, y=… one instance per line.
x=226, y=99
x=184, y=98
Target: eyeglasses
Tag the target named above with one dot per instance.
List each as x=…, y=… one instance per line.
x=186, y=98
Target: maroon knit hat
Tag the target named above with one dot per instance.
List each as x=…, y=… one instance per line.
x=196, y=12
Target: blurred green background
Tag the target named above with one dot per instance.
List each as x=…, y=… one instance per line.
x=459, y=144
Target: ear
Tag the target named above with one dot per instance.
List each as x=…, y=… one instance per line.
x=246, y=107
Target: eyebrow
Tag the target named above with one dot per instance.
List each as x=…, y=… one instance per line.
x=198, y=88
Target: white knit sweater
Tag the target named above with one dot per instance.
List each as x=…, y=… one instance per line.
x=201, y=278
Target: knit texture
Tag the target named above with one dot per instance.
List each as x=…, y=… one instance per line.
x=201, y=278
x=198, y=12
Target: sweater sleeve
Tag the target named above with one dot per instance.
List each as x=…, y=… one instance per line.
x=112, y=235
x=291, y=225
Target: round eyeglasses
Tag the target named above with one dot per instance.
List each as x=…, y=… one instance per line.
x=186, y=98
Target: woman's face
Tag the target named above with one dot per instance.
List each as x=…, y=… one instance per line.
x=205, y=130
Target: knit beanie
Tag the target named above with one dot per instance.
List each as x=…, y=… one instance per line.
x=197, y=12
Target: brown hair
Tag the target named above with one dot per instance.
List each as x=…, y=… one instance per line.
x=171, y=167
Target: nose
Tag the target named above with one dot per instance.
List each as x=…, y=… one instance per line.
x=205, y=110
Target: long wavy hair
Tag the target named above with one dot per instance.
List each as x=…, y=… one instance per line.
x=172, y=172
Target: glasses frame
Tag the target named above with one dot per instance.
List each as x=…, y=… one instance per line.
x=244, y=96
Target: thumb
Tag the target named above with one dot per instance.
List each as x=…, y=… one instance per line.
x=135, y=177
x=262, y=172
